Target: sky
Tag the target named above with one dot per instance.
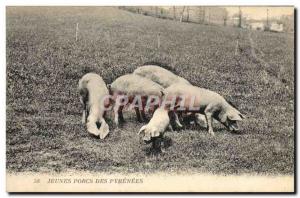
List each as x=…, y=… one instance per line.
x=261, y=12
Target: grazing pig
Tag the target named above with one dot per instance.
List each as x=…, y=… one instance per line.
x=211, y=104
x=166, y=78
x=154, y=130
x=132, y=89
x=92, y=91
x=159, y=122
x=161, y=76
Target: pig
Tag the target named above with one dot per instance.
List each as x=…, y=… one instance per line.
x=207, y=102
x=130, y=87
x=155, y=129
x=166, y=78
x=159, y=122
x=92, y=90
x=161, y=76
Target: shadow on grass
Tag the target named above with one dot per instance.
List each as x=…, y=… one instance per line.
x=158, y=146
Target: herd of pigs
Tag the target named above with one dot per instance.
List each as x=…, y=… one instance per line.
x=149, y=81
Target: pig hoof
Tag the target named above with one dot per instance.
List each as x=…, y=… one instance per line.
x=211, y=133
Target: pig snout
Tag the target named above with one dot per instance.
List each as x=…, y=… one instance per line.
x=234, y=127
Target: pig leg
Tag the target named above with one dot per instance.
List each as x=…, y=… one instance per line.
x=84, y=112
x=83, y=100
x=170, y=128
x=104, y=128
x=84, y=117
x=116, y=114
x=163, y=146
x=174, y=118
x=143, y=115
x=208, y=115
x=138, y=116
x=180, y=115
x=120, y=113
x=177, y=120
x=142, y=111
x=152, y=109
x=87, y=113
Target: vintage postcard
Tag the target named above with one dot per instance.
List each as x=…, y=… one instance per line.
x=150, y=99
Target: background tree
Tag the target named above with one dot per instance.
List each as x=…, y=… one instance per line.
x=182, y=12
x=174, y=13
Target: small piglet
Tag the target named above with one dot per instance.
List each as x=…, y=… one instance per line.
x=156, y=127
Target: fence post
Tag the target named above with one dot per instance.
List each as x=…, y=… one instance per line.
x=174, y=13
x=188, y=14
x=158, y=40
x=109, y=46
x=181, y=15
x=236, y=48
x=76, y=35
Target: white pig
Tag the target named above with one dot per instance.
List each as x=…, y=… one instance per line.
x=92, y=91
x=211, y=104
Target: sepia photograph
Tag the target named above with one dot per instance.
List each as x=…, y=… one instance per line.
x=140, y=99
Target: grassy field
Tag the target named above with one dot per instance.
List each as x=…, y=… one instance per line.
x=255, y=70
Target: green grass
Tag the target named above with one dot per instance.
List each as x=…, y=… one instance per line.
x=44, y=64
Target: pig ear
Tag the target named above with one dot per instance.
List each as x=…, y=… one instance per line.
x=142, y=129
x=104, y=130
x=234, y=116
